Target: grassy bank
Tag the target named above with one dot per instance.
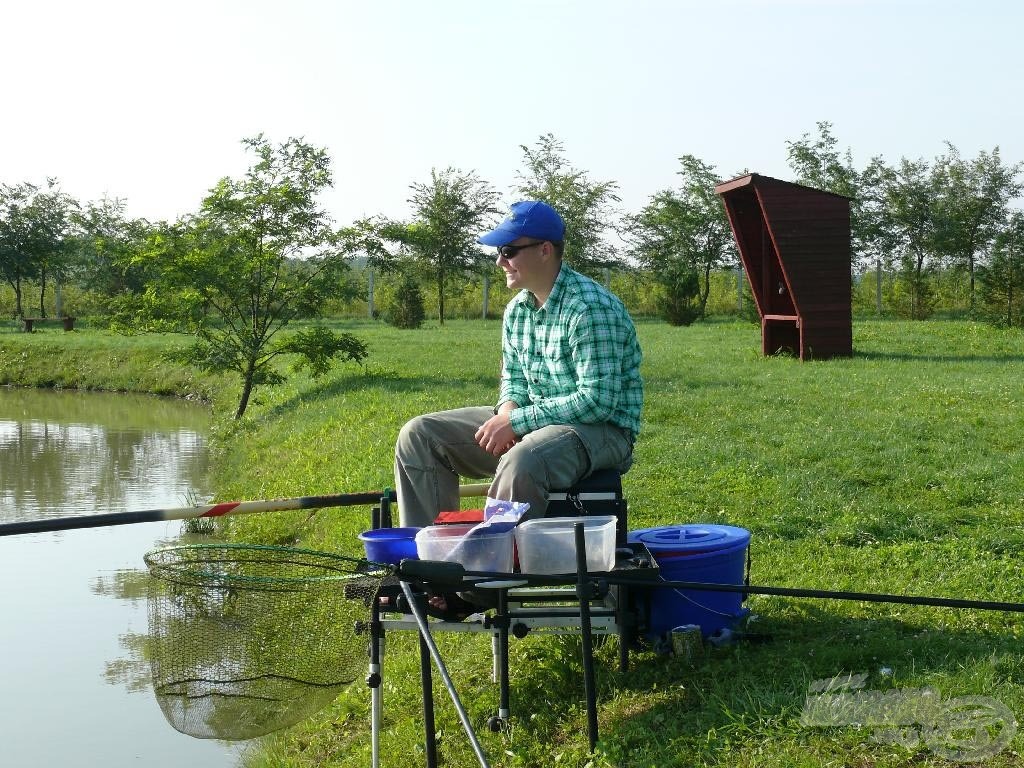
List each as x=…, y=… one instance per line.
x=899, y=470
x=96, y=359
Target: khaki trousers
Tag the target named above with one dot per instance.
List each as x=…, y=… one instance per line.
x=433, y=451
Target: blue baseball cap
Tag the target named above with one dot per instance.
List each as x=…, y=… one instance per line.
x=527, y=218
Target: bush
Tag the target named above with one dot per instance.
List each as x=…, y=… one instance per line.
x=682, y=289
x=405, y=310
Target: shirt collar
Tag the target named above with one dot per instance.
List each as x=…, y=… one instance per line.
x=559, y=287
x=528, y=300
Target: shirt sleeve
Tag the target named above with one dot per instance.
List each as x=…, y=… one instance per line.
x=513, y=378
x=595, y=345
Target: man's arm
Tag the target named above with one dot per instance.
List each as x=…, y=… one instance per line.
x=513, y=386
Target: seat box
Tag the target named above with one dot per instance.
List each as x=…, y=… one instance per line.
x=598, y=494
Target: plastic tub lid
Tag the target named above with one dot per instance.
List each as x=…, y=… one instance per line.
x=685, y=538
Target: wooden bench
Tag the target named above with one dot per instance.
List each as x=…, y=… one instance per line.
x=68, y=322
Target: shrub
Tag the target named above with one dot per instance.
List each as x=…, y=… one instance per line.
x=405, y=310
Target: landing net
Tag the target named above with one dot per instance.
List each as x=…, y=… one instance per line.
x=245, y=640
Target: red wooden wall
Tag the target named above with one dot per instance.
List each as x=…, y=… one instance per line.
x=795, y=245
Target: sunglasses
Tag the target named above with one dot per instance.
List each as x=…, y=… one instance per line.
x=511, y=251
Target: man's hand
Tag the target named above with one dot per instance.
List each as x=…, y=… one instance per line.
x=495, y=435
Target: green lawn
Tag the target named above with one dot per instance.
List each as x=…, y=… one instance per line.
x=900, y=470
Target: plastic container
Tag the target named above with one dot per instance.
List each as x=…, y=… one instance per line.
x=482, y=551
x=389, y=545
x=548, y=545
x=709, y=554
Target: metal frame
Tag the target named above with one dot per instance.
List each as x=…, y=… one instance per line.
x=581, y=604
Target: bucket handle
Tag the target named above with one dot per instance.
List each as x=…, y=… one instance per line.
x=704, y=607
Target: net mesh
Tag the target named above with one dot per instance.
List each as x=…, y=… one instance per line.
x=245, y=640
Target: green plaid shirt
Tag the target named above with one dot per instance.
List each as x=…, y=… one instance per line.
x=575, y=360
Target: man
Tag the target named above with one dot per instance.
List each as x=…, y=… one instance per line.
x=570, y=395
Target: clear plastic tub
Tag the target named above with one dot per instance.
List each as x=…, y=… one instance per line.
x=548, y=545
x=483, y=551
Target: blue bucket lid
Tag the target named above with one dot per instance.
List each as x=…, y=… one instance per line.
x=684, y=538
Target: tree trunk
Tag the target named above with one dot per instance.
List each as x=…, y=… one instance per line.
x=916, y=305
x=42, y=296
x=247, y=379
x=369, y=293
x=705, y=290
x=487, y=292
x=970, y=297
x=739, y=289
x=1012, y=269
x=878, y=287
x=440, y=296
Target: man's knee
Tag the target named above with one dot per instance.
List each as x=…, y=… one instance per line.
x=410, y=429
x=521, y=462
x=412, y=434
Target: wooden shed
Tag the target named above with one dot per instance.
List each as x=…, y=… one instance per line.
x=795, y=245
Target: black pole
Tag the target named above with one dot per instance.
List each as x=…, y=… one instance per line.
x=47, y=524
x=867, y=597
x=504, y=696
x=416, y=606
x=385, y=509
x=583, y=595
x=374, y=681
x=626, y=623
x=430, y=738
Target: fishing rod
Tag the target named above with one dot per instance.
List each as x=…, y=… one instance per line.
x=826, y=594
x=222, y=509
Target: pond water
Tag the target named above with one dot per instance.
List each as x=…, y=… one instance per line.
x=72, y=604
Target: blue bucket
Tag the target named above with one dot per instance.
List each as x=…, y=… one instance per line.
x=708, y=554
x=390, y=545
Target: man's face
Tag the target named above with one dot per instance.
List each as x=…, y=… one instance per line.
x=522, y=260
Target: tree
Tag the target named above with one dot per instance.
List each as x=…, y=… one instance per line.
x=818, y=163
x=106, y=243
x=586, y=206
x=450, y=213
x=35, y=236
x=909, y=217
x=682, y=236
x=973, y=202
x=56, y=217
x=16, y=262
x=1002, y=279
x=259, y=254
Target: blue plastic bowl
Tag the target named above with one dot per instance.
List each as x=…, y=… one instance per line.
x=390, y=545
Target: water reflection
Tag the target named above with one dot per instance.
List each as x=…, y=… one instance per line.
x=72, y=604
x=62, y=464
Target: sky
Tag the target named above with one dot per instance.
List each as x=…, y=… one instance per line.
x=148, y=100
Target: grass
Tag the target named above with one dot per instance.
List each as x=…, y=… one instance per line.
x=97, y=359
x=898, y=470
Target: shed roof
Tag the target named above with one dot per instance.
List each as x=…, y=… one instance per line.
x=751, y=178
